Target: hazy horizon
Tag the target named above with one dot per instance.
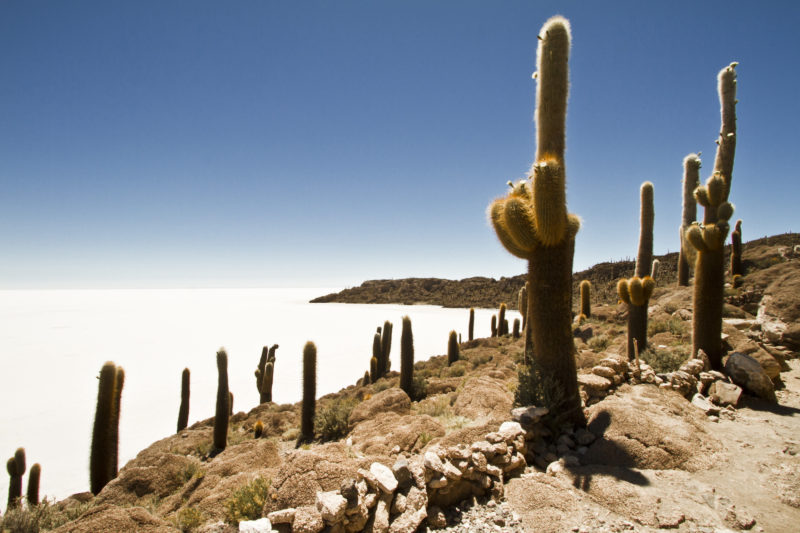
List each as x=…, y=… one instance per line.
x=310, y=144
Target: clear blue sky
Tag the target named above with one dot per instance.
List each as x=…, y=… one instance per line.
x=266, y=143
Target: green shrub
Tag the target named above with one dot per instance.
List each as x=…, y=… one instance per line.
x=419, y=388
x=331, y=422
x=599, y=343
x=42, y=517
x=189, y=518
x=247, y=501
x=663, y=360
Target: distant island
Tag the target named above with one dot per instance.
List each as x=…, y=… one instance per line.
x=489, y=293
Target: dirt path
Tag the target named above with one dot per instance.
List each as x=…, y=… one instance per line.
x=753, y=483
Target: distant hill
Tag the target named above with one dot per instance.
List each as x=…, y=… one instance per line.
x=482, y=292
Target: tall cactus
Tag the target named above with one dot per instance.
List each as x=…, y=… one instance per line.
x=691, y=179
x=266, y=384
x=308, y=409
x=515, y=332
x=471, y=326
x=501, y=321
x=378, y=354
x=736, y=250
x=586, y=298
x=407, y=358
x=636, y=291
x=386, y=345
x=16, y=468
x=33, y=484
x=223, y=408
x=452, y=348
x=105, y=434
x=709, y=237
x=522, y=304
x=532, y=223
x=183, y=411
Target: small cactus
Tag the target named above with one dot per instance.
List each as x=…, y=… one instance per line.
x=258, y=429
x=654, y=269
x=494, y=326
x=308, y=409
x=259, y=373
x=515, y=332
x=33, y=484
x=223, y=409
x=266, y=384
x=691, y=179
x=636, y=291
x=452, y=348
x=736, y=250
x=16, y=468
x=522, y=302
x=501, y=321
x=373, y=370
x=471, y=328
x=377, y=353
x=230, y=403
x=183, y=411
x=366, y=380
x=407, y=358
x=386, y=345
x=103, y=457
x=586, y=298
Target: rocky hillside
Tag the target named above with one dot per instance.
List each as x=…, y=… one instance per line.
x=490, y=293
x=668, y=445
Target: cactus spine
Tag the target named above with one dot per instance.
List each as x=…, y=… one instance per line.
x=223, y=408
x=183, y=412
x=309, y=394
x=407, y=358
x=636, y=291
x=586, y=298
x=532, y=223
x=501, y=321
x=691, y=179
x=471, y=328
x=736, y=250
x=452, y=348
x=103, y=457
x=709, y=237
x=33, y=484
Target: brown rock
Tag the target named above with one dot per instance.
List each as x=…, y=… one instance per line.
x=392, y=400
x=380, y=435
x=162, y=475
x=107, y=517
x=484, y=397
x=307, y=520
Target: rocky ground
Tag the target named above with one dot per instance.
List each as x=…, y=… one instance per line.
x=669, y=445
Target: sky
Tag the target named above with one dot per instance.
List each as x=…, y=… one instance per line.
x=277, y=143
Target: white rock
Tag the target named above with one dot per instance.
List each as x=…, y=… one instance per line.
x=331, y=506
x=434, y=462
x=262, y=525
x=283, y=516
x=383, y=477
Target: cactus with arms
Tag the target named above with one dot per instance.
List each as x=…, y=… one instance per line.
x=532, y=223
x=708, y=238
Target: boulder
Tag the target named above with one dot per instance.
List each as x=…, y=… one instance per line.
x=262, y=525
x=593, y=384
x=746, y=372
x=307, y=520
x=331, y=506
x=107, y=517
x=484, y=397
x=383, y=477
x=640, y=429
x=392, y=400
x=723, y=394
x=382, y=434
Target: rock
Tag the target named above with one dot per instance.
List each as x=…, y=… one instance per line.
x=693, y=367
x=262, y=525
x=594, y=384
x=683, y=382
x=433, y=462
x=392, y=400
x=436, y=518
x=402, y=472
x=451, y=472
x=748, y=374
x=283, y=516
x=379, y=436
x=529, y=416
x=331, y=506
x=409, y=521
x=698, y=400
x=791, y=336
x=555, y=468
x=383, y=477
x=584, y=437
x=380, y=520
x=583, y=332
x=349, y=491
x=669, y=519
x=604, y=371
x=618, y=364
x=484, y=397
x=510, y=431
x=307, y=520
x=438, y=482
x=722, y=393
x=107, y=517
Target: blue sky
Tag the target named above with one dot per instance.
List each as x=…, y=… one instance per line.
x=150, y=144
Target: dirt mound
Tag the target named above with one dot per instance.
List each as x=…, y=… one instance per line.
x=108, y=517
